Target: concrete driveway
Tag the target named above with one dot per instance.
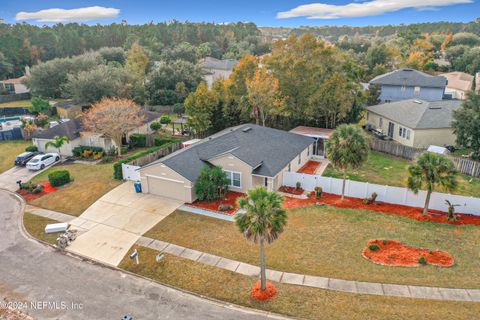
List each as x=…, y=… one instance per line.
x=116, y=221
x=9, y=178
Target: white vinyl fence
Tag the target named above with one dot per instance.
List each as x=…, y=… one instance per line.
x=387, y=194
x=130, y=172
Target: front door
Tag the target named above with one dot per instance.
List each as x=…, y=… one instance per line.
x=319, y=149
x=391, y=128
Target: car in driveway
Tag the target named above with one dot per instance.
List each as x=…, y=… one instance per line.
x=22, y=159
x=42, y=160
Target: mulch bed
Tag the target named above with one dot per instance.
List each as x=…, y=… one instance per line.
x=388, y=208
x=47, y=188
x=395, y=253
x=230, y=199
x=291, y=190
x=264, y=295
x=310, y=167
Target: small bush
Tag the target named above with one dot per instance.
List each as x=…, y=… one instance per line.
x=372, y=199
x=78, y=151
x=37, y=189
x=225, y=207
x=28, y=186
x=59, y=178
x=178, y=108
x=165, y=119
x=137, y=140
x=159, y=141
x=318, y=192
x=422, y=261
x=31, y=149
x=298, y=185
x=155, y=126
x=123, y=149
x=384, y=242
x=374, y=247
x=87, y=154
x=97, y=155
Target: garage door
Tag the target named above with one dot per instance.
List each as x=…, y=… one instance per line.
x=169, y=189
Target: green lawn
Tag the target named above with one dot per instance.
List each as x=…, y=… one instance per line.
x=296, y=301
x=9, y=151
x=13, y=104
x=328, y=241
x=35, y=226
x=90, y=183
x=381, y=168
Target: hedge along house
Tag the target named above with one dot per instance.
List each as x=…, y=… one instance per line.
x=78, y=136
x=250, y=155
x=415, y=123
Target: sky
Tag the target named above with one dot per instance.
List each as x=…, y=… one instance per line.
x=287, y=13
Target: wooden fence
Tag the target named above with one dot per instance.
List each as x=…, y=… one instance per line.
x=148, y=158
x=465, y=166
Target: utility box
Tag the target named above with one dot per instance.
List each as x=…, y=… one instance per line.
x=56, y=227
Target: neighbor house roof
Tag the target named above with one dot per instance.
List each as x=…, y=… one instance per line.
x=266, y=150
x=149, y=116
x=409, y=77
x=213, y=63
x=67, y=104
x=313, y=132
x=459, y=80
x=419, y=114
x=14, y=81
x=70, y=129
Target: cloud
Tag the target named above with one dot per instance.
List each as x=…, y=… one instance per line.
x=362, y=9
x=69, y=15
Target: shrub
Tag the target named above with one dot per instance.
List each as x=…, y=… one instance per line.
x=31, y=149
x=372, y=199
x=87, y=153
x=158, y=141
x=165, y=119
x=29, y=186
x=318, y=192
x=212, y=183
x=155, y=126
x=123, y=149
x=78, y=151
x=298, y=185
x=179, y=108
x=422, y=261
x=225, y=207
x=97, y=155
x=59, y=178
x=385, y=242
x=38, y=188
x=137, y=140
x=374, y=247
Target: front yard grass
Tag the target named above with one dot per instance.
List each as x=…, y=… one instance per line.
x=90, y=183
x=35, y=226
x=9, y=151
x=296, y=301
x=328, y=241
x=385, y=169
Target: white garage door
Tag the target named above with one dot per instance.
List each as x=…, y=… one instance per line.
x=169, y=189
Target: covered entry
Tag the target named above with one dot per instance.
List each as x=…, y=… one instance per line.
x=320, y=135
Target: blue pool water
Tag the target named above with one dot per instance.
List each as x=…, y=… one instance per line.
x=9, y=119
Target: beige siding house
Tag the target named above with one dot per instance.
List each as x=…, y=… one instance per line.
x=250, y=156
x=415, y=123
x=459, y=83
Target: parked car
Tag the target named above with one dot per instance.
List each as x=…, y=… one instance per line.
x=22, y=159
x=42, y=160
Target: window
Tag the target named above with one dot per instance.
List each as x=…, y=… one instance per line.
x=299, y=158
x=289, y=167
x=266, y=182
x=234, y=178
x=417, y=91
x=408, y=134
x=308, y=151
x=404, y=88
x=380, y=122
x=400, y=131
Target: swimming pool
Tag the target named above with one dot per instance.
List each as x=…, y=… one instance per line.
x=9, y=119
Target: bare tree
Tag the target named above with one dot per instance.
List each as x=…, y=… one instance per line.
x=113, y=118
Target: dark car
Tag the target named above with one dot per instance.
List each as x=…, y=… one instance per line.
x=23, y=158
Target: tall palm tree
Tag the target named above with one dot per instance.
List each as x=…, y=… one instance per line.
x=57, y=142
x=262, y=221
x=347, y=147
x=430, y=170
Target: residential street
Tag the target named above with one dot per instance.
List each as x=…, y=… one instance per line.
x=32, y=272
x=9, y=178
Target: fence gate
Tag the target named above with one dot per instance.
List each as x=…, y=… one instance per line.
x=130, y=172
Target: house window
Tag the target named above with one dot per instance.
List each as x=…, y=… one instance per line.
x=266, y=182
x=380, y=122
x=289, y=167
x=408, y=134
x=234, y=178
x=299, y=158
x=308, y=151
x=417, y=91
x=404, y=88
x=400, y=131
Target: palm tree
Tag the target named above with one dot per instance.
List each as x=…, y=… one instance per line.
x=57, y=142
x=432, y=169
x=262, y=221
x=347, y=147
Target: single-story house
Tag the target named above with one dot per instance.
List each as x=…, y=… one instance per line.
x=74, y=130
x=250, y=155
x=214, y=69
x=320, y=136
x=68, y=109
x=459, y=83
x=415, y=123
x=14, y=86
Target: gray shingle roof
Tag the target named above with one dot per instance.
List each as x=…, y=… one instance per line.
x=71, y=129
x=419, y=114
x=213, y=63
x=266, y=150
x=409, y=77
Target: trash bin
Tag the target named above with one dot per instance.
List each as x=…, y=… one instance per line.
x=138, y=187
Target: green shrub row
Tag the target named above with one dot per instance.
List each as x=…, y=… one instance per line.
x=78, y=151
x=31, y=149
x=159, y=141
x=59, y=178
x=137, y=140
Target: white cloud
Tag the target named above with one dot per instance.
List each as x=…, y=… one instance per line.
x=362, y=9
x=69, y=15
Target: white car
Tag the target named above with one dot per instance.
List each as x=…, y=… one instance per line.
x=42, y=160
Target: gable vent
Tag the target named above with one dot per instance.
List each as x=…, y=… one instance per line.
x=246, y=129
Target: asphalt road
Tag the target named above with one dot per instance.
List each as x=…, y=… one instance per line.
x=56, y=286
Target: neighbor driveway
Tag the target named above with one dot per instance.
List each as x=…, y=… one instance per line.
x=111, y=226
x=9, y=178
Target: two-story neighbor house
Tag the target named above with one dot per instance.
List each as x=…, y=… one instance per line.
x=214, y=69
x=403, y=84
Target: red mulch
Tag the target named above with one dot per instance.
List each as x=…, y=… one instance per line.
x=264, y=295
x=388, y=208
x=230, y=199
x=291, y=190
x=310, y=167
x=394, y=253
x=47, y=188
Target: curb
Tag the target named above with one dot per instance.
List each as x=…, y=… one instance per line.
x=220, y=303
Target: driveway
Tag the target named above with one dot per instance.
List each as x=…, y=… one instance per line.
x=112, y=225
x=9, y=178
x=30, y=272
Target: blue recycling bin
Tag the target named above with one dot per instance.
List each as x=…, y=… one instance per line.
x=138, y=187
